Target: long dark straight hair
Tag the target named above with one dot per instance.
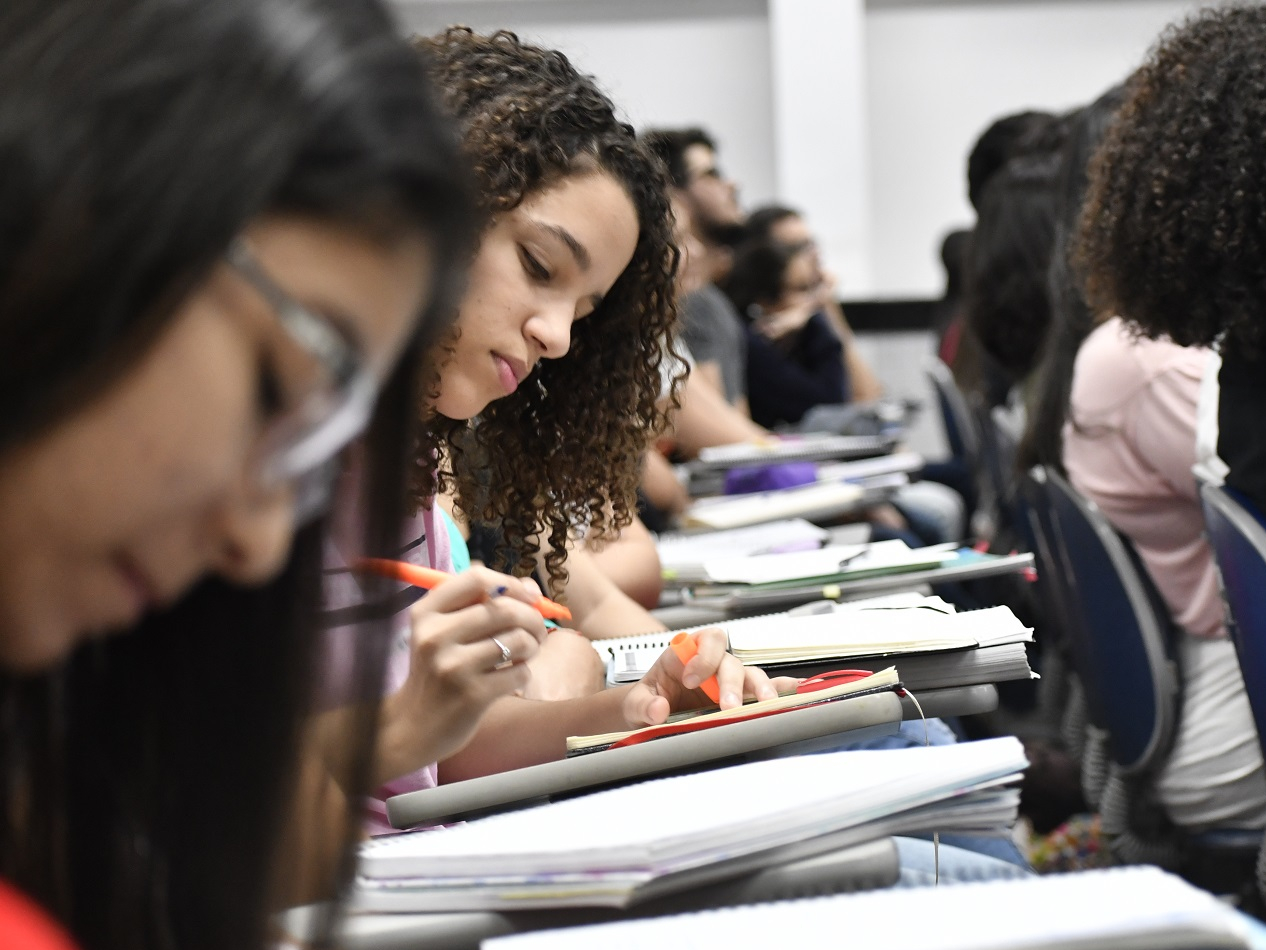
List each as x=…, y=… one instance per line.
x=144, y=785
x=1071, y=317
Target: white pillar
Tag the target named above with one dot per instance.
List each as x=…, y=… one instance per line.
x=820, y=128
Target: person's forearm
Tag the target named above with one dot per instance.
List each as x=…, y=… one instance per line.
x=617, y=616
x=706, y=419
x=863, y=381
x=516, y=733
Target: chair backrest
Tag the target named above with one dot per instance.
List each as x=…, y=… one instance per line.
x=1053, y=594
x=1238, y=538
x=960, y=427
x=1121, y=638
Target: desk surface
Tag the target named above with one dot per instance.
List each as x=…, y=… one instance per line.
x=861, y=716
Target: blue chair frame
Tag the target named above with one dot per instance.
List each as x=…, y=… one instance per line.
x=960, y=427
x=1121, y=639
x=1237, y=535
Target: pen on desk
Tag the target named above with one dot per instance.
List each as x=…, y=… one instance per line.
x=430, y=578
x=685, y=647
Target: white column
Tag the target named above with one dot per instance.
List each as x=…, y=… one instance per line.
x=820, y=128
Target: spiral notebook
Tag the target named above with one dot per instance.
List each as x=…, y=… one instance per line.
x=1130, y=908
x=614, y=847
x=628, y=658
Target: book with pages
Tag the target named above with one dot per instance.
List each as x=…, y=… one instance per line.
x=617, y=847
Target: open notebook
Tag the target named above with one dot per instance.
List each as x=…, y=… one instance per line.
x=618, y=846
x=1131, y=908
x=895, y=629
x=695, y=720
x=628, y=658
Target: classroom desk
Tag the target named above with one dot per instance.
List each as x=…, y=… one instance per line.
x=860, y=867
x=804, y=730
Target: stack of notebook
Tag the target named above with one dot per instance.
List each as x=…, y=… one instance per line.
x=621, y=846
x=931, y=645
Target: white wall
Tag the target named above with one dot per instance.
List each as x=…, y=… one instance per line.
x=861, y=111
x=664, y=62
x=938, y=73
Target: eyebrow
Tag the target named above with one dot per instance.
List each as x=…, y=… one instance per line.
x=577, y=249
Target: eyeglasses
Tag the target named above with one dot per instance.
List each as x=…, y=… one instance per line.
x=300, y=445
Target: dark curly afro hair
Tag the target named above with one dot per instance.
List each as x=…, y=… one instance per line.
x=1173, y=232
x=561, y=455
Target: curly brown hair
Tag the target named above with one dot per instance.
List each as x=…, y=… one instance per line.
x=532, y=464
x=1173, y=234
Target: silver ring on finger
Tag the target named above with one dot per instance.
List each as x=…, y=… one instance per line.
x=505, y=650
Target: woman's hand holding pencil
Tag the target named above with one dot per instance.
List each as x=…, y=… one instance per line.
x=430, y=578
x=471, y=638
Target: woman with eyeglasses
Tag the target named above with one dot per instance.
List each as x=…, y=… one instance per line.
x=220, y=225
x=540, y=400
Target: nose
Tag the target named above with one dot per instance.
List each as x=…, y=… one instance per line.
x=549, y=329
x=253, y=533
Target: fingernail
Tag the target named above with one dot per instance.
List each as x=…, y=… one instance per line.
x=690, y=681
x=730, y=699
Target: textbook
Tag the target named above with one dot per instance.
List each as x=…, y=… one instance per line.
x=623, y=845
x=1128, y=908
x=694, y=720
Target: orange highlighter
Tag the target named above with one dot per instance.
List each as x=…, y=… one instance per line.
x=429, y=578
x=685, y=647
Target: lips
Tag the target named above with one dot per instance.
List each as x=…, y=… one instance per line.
x=510, y=372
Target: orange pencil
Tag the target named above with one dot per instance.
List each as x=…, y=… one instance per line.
x=430, y=578
x=685, y=647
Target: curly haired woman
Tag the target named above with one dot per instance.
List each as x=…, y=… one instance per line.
x=1173, y=240
x=557, y=353
x=1176, y=224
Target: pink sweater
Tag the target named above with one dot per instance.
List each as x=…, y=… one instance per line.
x=427, y=544
x=1129, y=445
